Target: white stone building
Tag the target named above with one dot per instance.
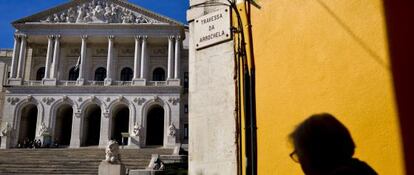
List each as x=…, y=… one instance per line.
x=86, y=71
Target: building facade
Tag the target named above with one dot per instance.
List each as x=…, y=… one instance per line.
x=88, y=71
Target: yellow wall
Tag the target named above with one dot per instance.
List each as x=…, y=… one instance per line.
x=324, y=56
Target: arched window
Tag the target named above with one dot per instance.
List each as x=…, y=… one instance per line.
x=100, y=74
x=158, y=74
x=126, y=74
x=73, y=74
x=40, y=73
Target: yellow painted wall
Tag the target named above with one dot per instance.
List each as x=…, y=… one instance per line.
x=331, y=56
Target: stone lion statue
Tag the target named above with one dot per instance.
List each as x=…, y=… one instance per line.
x=112, y=153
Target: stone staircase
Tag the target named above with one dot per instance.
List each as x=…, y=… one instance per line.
x=69, y=161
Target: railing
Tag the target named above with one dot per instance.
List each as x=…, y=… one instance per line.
x=95, y=83
x=67, y=83
x=122, y=83
x=32, y=83
x=156, y=83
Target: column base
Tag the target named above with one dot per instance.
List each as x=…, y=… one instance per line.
x=173, y=82
x=49, y=81
x=15, y=81
x=139, y=82
x=107, y=82
x=5, y=142
x=80, y=82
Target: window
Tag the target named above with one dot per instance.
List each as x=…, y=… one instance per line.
x=40, y=73
x=73, y=74
x=100, y=74
x=186, y=109
x=158, y=74
x=186, y=80
x=186, y=131
x=126, y=74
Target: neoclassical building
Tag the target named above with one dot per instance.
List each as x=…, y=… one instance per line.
x=88, y=71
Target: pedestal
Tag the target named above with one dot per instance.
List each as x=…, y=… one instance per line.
x=139, y=82
x=106, y=168
x=5, y=142
x=80, y=82
x=173, y=82
x=49, y=82
x=134, y=142
x=107, y=82
x=14, y=81
x=171, y=141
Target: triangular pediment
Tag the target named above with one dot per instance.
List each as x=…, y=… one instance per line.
x=97, y=11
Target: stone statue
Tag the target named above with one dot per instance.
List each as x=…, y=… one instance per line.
x=6, y=130
x=112, y=153
x=156, y=163
x=44, y=131
x=137, y=130
x=98, y=11
x=171, y=130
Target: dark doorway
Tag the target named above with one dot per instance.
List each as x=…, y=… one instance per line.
x=126, y=74
x=158, y=74
x=63, y=125
x=120, y=123
x=40, y=73
x=92, y=125
x=28, y=120
x=155, y=126
x=100, y=74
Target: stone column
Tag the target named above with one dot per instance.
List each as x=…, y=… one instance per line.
x=49, y=55
x=137, y=55
x=177, y=57
x=75, y=138
x=108, y=79
x=15, y=56
x=81, y=79
x=170, y=57
x=56, y=55
x=144, y=70
x=105, y=130
x=22, y=57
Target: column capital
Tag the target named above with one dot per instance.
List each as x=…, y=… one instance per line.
x=178, y=37
x=50, y=37
x=16, y=36
x=57, y=37
x=171, y=37
x=84, y=37
x=23, y=36
x=144, y=37
x=137, y=37
x=111, y=37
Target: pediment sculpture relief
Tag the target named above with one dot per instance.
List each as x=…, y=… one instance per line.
x=98, y=11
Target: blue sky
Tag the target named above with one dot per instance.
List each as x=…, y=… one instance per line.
x=11, y=10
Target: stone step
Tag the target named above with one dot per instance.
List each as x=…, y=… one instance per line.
x=69, y=161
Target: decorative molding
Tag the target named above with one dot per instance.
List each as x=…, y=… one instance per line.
x=106, y=114
x=108, y=99
x=102, y=11
x=172, y=130
x=174, y=101
x=65, y=97
x=48, y=100
x=80, y=99
x=78, y=114
x=120, y=98
x=139, y=100
x=13, y=100
x=29, y=98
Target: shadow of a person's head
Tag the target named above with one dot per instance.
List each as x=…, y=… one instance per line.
x=322, y=144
